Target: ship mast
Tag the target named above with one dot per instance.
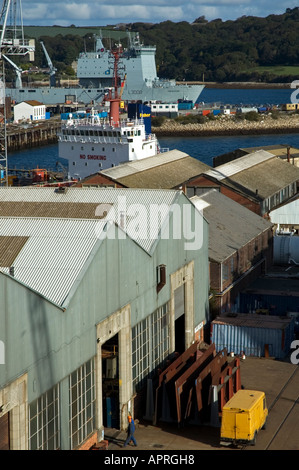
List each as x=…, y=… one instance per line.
x=115, y=99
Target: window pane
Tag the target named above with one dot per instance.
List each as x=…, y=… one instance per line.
x=43, y=412
x=82, y=403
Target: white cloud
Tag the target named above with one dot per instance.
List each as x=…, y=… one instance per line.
x=83, y=11
x=102, y=12
x=34, y=12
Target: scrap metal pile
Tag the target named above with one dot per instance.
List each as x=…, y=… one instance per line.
x=196, y=385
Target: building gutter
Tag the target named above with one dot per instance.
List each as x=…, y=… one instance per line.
x=233, y=284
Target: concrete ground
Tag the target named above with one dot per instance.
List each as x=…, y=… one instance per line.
x=268, y=375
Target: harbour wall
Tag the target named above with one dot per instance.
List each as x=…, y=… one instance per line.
x=22, y=137
x=228, y=126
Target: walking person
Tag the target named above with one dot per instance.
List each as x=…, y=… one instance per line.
x=131, y=430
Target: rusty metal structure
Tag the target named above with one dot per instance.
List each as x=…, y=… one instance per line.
x=195, y=386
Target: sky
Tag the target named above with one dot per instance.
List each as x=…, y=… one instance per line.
x=106, y=12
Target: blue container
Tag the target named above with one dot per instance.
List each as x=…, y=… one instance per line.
x=252, y=334
x=141, y=111
x=185, y=105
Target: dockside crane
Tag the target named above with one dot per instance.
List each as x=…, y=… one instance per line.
x=53, y=70
x=18, y=71
x=12, y=42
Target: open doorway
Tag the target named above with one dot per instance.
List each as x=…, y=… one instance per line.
x=179, y=316
x=4, y=432
x=110, y=383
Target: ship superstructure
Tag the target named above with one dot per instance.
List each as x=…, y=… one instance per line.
x=95, y=76
x=93, y=143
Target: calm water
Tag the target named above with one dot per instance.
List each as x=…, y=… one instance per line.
x=202, y=148
x=246, y=97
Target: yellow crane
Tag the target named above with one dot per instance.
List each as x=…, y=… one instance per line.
x=122, y=90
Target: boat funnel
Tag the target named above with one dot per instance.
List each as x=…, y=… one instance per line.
x=114, y=112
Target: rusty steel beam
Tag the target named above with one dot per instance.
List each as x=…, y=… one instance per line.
x=189, y=376
x=212, y=369
x=229, y=378
x=175, y=368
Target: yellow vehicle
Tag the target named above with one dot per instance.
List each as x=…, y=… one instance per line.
x=243, y=416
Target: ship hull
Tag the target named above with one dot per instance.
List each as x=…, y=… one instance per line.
x=167, y=94
x=53, y=96
x=136, y=69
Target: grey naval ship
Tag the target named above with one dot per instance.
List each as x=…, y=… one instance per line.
x=138, y=76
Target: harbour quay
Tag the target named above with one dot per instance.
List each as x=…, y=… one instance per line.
x=22, y=136
x=279, y=379
x=228, y=125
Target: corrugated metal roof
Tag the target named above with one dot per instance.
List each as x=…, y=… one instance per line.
x=166, y=176
x=55, y=248
x=231, y=225
x=280, y=150
x=85, y=195
x=48, y=209
x=266, y=179
x=133, y=167
x=260, y=180
x=10, y=247
x=286, y=214
x=240, y=164
x=54, y=253
x=252, y=320
x=166, y=171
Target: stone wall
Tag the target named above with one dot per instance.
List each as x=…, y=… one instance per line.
x=229, y=125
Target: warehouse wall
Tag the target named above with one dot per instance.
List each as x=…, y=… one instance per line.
x=48, y=343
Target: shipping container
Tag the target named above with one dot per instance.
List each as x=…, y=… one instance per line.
x=290, y=106
x=246, y=110
x=216, y=112
x=206, y=112
x=225, y=111
x=243, y=416
x=253, y=334
x=185, y=105
x=286, y=250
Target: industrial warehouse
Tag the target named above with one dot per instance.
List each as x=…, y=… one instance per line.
x=94, y=308
x=143, y=291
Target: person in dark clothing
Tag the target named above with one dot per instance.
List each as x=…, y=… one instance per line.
x=131, y=430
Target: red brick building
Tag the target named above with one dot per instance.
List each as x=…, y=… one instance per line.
x=258, y=181
x=240, y=248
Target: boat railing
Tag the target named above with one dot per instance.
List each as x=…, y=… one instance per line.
x=92, y=140
x=131, y=122
x=103, y=122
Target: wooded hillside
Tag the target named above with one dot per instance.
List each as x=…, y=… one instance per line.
x=248, y=49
